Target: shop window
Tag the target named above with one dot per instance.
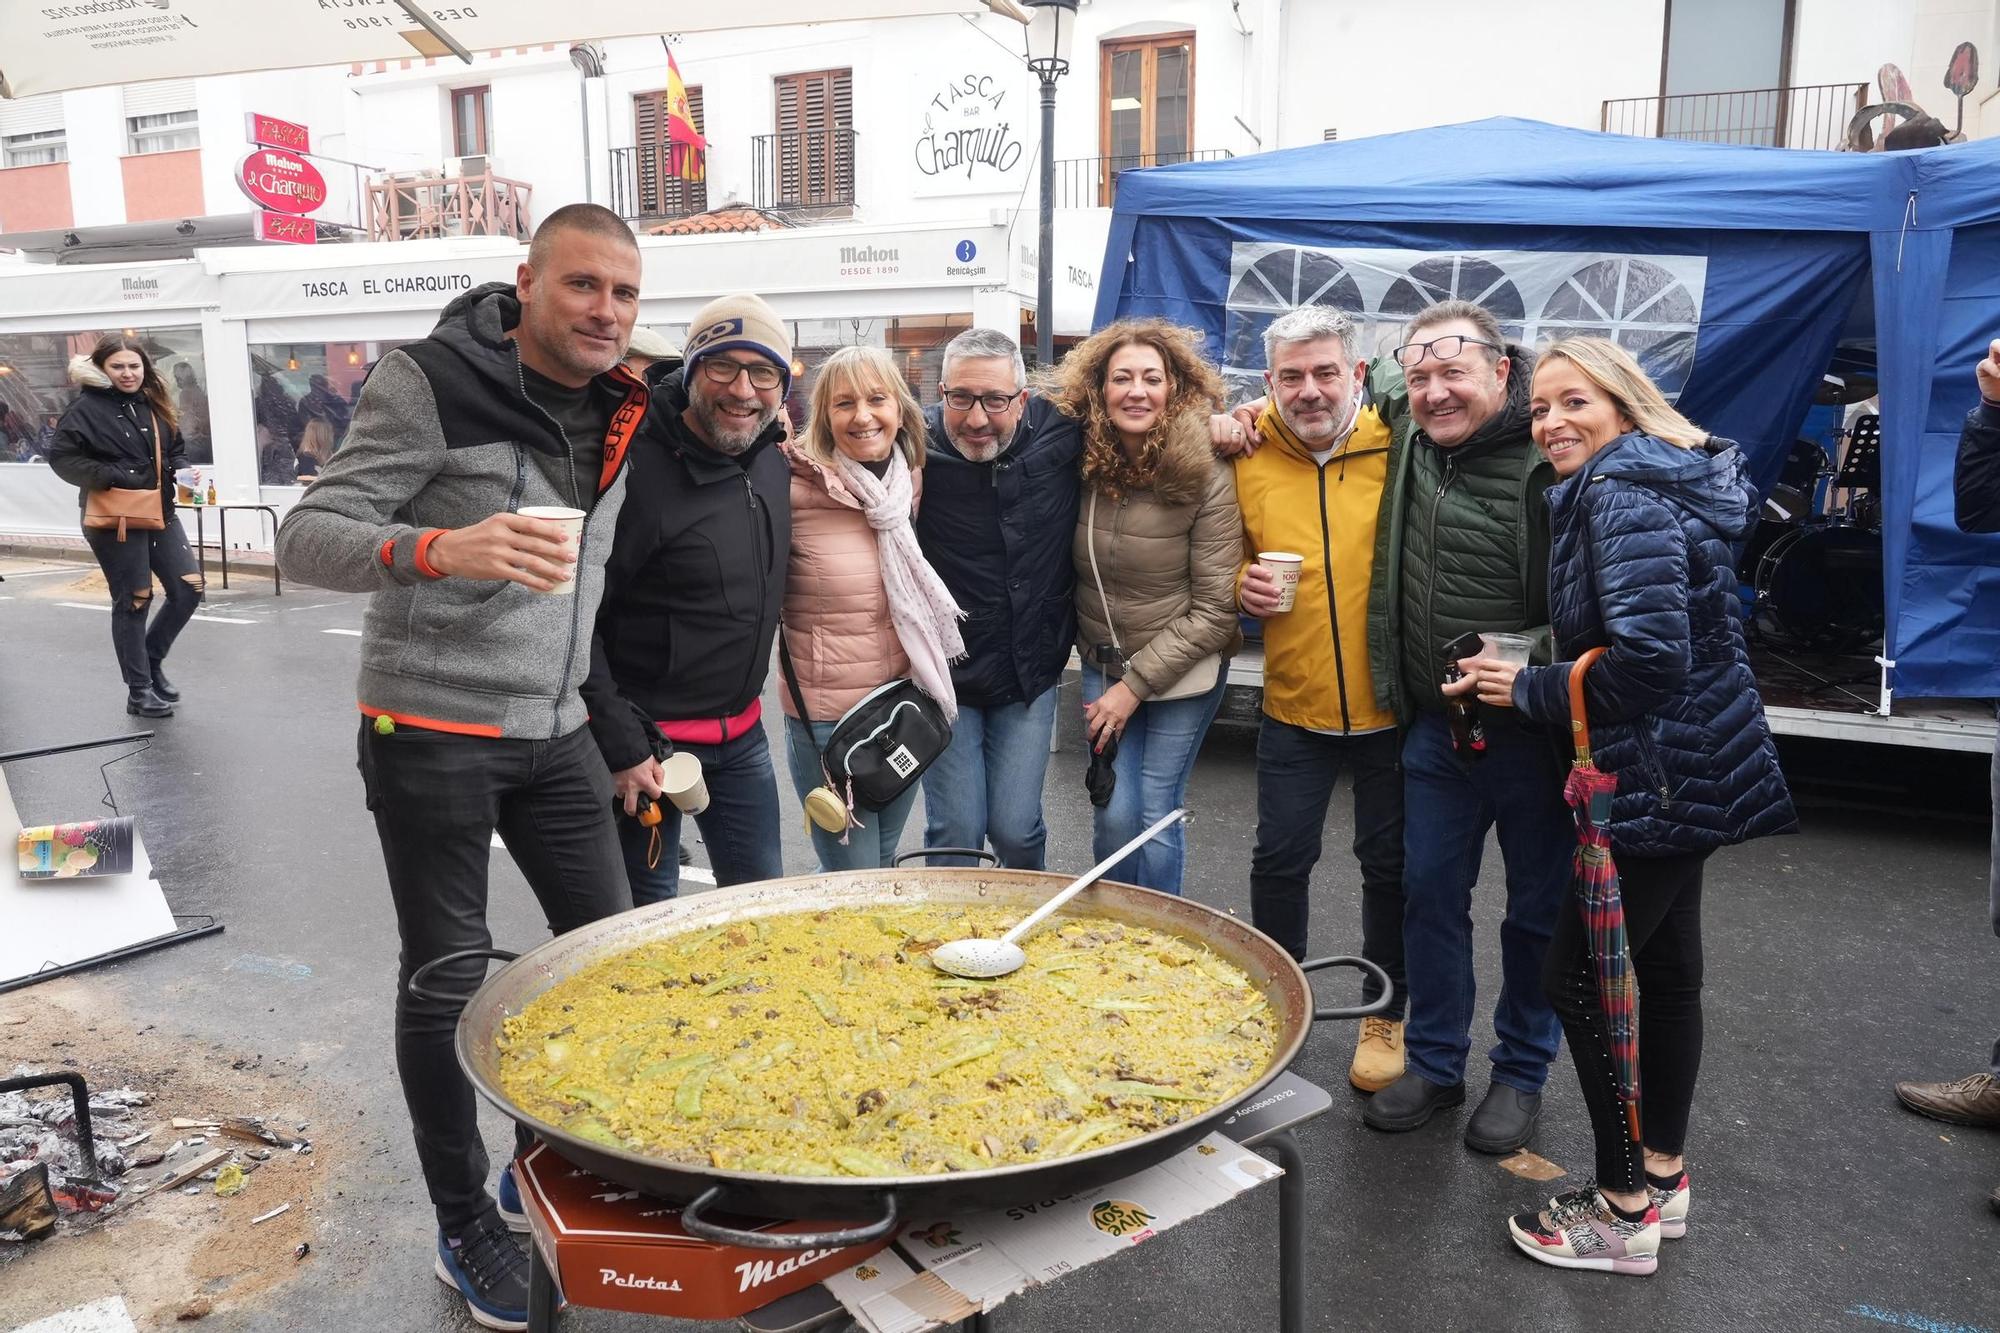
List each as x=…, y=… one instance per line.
x=302, y=402
x=35, y=388
x=37, y=149
x=166, y=132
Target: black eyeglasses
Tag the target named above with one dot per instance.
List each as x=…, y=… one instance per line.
x=721, y=370
x=1444, y=349
x=958, y=400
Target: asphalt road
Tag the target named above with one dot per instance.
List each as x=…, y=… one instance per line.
x=1838, y=962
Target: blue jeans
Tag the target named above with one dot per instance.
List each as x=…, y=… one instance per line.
x=1155, y=756
x=740, y=825
x=1296, y=770
x=1448, y=806
x=987, y=786
x=870, y=847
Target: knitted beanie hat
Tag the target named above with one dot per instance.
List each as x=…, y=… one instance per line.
x=741, y=321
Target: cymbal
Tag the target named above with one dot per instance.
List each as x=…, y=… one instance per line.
x=1839, y=390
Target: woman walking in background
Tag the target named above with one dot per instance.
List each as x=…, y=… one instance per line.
x=116, y=435
x=1646, y=519
x=862, y=608
x=1159, y=543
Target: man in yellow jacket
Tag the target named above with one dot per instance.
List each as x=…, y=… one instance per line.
x=1314, y=490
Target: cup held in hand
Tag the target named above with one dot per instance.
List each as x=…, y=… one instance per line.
x=571, y=521
x=1284, y=567
x=1507, y=647
x=684, y=784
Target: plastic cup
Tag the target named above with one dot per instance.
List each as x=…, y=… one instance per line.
x=1284, y=567
x=683, y=784
x=1515, y=648
x=185, y=482
x=572, y=525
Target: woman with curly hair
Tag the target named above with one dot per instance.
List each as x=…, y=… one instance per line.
x=1159, y=542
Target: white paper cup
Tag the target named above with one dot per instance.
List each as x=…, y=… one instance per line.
x=684, y=785
x=1515, y=648
x=1284, y=567
x=572, y=524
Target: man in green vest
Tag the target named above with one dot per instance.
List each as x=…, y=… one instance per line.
x=1467, y=546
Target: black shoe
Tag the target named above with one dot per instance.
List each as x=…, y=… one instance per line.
x=490, y=1270
x=1409, y=1102
x=164, y=687
x=144, y=702
x=687, y=857
x=1504, y=1121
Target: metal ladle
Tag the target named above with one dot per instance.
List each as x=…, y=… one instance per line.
x=980, y=959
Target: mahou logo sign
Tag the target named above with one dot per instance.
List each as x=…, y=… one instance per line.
x=281, y=181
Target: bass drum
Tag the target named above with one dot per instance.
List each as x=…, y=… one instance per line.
x=1821, y=587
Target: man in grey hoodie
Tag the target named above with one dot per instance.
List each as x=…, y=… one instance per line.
x=473, y=648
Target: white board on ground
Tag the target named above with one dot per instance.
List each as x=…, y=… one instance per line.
x=106, y=1316
x=51, y=922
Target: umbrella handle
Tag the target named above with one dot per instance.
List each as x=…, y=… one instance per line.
x=1579, y=724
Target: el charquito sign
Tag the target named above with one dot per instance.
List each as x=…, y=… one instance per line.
x=271, y=132
x=967, y=142
x=283, y=182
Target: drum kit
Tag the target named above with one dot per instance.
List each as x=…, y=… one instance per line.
x=1815, y=559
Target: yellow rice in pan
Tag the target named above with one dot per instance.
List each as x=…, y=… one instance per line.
x=827, y=1044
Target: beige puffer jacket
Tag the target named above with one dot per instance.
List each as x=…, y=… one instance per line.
x=1169, y=558
x=836, y=612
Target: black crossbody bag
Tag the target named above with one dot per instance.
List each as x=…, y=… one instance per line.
x=882, y=744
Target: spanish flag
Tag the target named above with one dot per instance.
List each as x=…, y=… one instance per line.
x=687, y=153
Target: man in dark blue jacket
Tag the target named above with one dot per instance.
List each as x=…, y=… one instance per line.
x=1975, y=1099
x=996, y=521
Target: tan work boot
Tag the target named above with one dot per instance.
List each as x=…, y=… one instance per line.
x=1378, y=1055
x=1974, y=1100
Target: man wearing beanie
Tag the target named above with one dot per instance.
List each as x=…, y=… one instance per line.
x=691, y=596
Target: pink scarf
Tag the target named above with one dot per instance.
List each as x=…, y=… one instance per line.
x=921, y=607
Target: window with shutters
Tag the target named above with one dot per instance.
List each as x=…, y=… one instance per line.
x=812, y=162
x=1146, y=116
x=37, y=148
x=659, y=193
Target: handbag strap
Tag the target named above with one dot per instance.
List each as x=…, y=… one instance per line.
x=791, y=675
x=1103, y=597
x=1579, y=723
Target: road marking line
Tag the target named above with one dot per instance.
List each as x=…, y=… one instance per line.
x=226, y=620
x=352, y=633
x=84, y=606
x=6, y=597
x=498, y=843
x=316, y=606
x=44, y=573
x=698, y=875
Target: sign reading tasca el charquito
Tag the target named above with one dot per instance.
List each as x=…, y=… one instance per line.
x=973, y=128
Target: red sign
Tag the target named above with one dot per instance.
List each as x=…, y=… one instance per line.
x=284, y=227
x=274, y=133
x=279, y=180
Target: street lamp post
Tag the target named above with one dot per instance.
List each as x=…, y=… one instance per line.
x=1050, y=32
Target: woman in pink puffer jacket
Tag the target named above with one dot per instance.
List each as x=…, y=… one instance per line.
x=862, y=608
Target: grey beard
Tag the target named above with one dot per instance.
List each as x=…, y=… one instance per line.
x=722, y=439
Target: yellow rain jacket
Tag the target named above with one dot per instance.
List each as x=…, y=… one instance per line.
x=1317, y=669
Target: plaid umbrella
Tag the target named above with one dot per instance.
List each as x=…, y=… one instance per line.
x=1589, y=793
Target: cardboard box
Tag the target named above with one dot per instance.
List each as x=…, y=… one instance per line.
x=612, y=1248
x=944, y=1270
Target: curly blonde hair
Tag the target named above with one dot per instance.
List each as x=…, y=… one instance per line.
x=1076, y=387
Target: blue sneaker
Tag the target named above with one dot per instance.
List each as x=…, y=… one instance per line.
x=489, y=1269
x=509, y=1199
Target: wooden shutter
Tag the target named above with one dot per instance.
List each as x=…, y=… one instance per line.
x=659, y=192
x=815, y=150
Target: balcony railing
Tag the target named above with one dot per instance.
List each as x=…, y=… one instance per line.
x=643, y=185
x=804, y=168
x=1813, y=116
x=420, y=206
x=1092, y=182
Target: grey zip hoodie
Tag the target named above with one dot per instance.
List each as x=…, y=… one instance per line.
x=444, y=436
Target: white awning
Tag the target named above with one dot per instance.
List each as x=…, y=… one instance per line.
x=48, y=48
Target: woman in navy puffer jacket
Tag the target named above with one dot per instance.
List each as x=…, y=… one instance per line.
x=1647, y=520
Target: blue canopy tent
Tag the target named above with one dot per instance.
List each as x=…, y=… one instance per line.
x=1732, y=272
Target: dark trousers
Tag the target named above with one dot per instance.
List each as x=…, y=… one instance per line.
x=1296, y=771
x=1449, y=804
x=1663, y=928
x=129, y=567
x=438, y=799
x=740, y=824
